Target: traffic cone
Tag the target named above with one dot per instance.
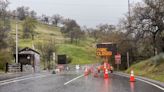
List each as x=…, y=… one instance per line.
x=91, y=70
x=132, y=79
x=98, y=69
x=106, y=73
x=86, y=71
x=96, y=75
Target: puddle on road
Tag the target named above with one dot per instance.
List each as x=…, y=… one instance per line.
x=106, y=87
x=86, y=78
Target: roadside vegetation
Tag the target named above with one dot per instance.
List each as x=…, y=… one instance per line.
x=151, y=68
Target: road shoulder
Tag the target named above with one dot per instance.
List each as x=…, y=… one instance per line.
x=161, y=84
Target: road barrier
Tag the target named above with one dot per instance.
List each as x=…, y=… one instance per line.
x=14, y=68
x=28, y=68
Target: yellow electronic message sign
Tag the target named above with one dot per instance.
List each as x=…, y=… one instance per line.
x=103, y=52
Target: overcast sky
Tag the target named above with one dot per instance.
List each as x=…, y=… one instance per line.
x=85, y=12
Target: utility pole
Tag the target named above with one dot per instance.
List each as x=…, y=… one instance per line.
x=127, y=56
x=129, y=10
x=16, y=38
x=129, y=28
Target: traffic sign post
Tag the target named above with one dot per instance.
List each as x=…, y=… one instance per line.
x=118, y=60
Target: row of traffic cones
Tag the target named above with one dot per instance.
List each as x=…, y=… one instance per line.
x=86, y=72
x=132, y=78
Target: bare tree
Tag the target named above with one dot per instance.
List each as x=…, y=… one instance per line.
x=29, y=25
x=77, y=34
x=5, y=54
x=106, y=27
x=46, y=49
x=147, y=20
x=56, y=19
x=33, y=14
x=4, y=24
x=22, y=12
x=45, y=19
x=70, y=29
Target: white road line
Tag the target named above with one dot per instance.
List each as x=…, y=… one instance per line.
x=17, y=80
x=150, y=83
x=74, y=79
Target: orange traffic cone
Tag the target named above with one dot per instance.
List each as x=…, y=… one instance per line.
x=95, y=75
x=98, y=69
x=132, y=79
x=86, y=71
x=106, y=73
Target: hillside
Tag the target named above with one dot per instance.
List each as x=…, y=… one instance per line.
x=152, y=68
x=81, y=53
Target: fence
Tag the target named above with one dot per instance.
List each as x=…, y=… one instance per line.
x=14, y=68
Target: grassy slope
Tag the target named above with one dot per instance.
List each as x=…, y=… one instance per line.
x=83, y=53
x=43, y=33
x=152, y=68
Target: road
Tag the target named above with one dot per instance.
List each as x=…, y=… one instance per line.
x=5, y=76
x=74, y=81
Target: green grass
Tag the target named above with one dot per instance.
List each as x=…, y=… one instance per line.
x=43, y=33
x=81, y=53
x=152, y=68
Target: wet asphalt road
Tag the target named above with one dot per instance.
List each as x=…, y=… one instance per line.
x=11, y=75
x=48, y=82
